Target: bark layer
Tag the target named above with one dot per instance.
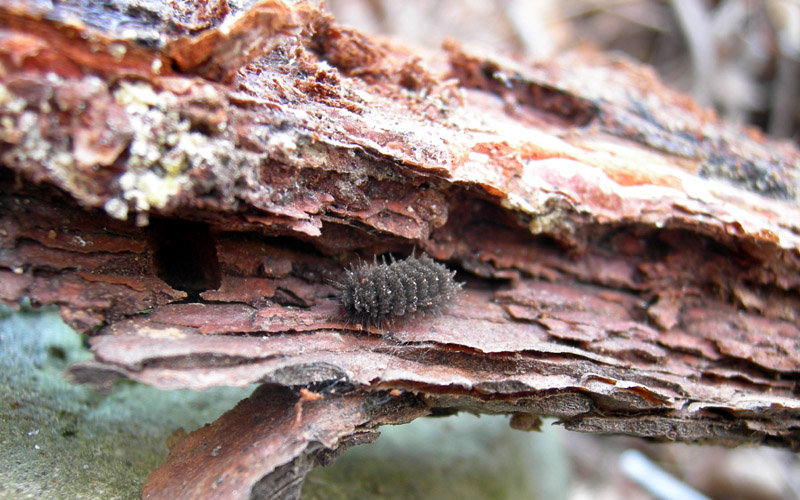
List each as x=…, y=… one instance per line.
x=187, y=188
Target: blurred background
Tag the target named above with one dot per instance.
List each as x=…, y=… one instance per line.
x=739, y=56
x=469, y=457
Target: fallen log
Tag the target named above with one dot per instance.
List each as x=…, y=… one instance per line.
x=187, y=187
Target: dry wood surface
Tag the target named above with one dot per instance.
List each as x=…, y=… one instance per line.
x=186, y=181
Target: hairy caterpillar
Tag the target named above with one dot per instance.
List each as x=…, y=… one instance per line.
x=380, y=294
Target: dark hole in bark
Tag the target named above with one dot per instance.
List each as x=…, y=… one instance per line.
x=185, y=256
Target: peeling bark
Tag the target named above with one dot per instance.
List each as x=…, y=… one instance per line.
x=265, y=446
x=185, y=186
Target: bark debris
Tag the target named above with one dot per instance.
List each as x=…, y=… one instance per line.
x=185, y=185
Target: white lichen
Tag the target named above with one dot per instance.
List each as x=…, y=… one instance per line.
x=148, y=190
x=116, y=208
x=10, y=102
x=157, y=159
x=139, y=97
x=117, y=50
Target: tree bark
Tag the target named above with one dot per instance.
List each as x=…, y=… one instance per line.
x=188, y=185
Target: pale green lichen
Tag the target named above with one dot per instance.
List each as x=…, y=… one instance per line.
x=158, y=154
x=161, y=151
x=139, y=97
x=32, y=147
x=549, y=212
x=148, y=190
x=10, y=102
x=63, y=441
x=117, y=50
x=116, y=208
x=22, y=128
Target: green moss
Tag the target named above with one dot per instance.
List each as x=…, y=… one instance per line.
x=64, y=441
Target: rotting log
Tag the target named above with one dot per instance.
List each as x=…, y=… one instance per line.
x=185, y=185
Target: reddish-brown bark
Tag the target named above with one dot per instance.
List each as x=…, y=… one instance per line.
x=631, y=263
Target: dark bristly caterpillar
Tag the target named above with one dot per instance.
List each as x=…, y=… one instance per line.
x=380, y=294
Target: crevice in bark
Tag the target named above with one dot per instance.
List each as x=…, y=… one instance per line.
x=185, y=256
